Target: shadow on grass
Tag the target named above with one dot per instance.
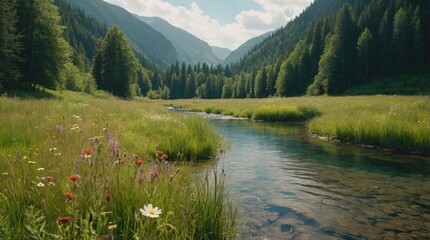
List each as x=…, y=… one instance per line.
x=27, y=92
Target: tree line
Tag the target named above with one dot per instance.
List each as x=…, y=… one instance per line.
x=50, y=44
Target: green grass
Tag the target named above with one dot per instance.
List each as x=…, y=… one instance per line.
x=41, y=145
x=409, y=84
x=395, y=122
x=285, y=113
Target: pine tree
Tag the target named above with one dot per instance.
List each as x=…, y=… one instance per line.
x=401, y=38
x=364, y=51
x=118, y=64
x=261, y=84
x=44, y=49
x=10, y=47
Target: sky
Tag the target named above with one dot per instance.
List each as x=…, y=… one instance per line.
x=221, y=23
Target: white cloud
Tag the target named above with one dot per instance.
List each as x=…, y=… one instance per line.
x=248, y=24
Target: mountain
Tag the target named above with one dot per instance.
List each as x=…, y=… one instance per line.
x=143, y=37
x=190, y=49
x=220, y=52
x=237, y=54
x=281, y=42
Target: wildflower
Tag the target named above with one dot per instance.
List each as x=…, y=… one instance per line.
x=154, y=172
x=108, y=197
x=112, y=227
x=74, y=127
x=51, y=184
x=47, y=178
x=74, y=177
x=31, y=162
x=64, y=219
x=150, y=211
x=140, y=176
x=78, y=118
x=5, y=174
x=70, y=195
x=138, y=161
x=158, y=153
x=87, y=152
x=60, y=128
x=164, y=156
x=40, y=184
x=40, y=169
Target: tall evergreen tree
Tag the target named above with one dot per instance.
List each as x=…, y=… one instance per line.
x=401, y=38
x=44, y=49
x=260, y=85
x=364, y=54
x=119, y=65
x=9, y=44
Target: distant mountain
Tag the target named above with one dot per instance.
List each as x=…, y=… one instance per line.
x=220, y=52
x=143, y=37
x=191, y=49
x=237, y=54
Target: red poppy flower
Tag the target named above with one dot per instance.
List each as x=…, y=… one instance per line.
x=87, y=151
x=74, y=177
x=164, y=156
x=159, y=153
x=70, y=195
x=64, y=219
x=138, y=161
x=108, y=197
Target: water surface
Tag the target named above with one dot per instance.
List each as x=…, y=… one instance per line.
x=289, y=185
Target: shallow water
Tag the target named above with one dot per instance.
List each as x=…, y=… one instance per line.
x=292, y=186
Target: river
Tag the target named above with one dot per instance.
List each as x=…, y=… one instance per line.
x=289, y=185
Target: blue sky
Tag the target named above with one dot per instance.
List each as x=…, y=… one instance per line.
x=221, y=23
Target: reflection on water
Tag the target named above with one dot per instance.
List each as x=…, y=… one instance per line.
x=291, y=186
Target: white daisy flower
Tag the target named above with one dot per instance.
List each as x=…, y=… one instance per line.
x=150, y=211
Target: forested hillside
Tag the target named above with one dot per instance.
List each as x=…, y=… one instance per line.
x=243, y=49
x=282, y=41
x=345, y=47
x=144, y=38
x=363, y=42
x=190, y=49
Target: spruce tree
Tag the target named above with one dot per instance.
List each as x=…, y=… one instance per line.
x=364, y=53
x=44, y=49
x=10, y=46
x=119, y=65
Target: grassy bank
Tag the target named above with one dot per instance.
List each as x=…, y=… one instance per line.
x=83, y=167
x=396, y=122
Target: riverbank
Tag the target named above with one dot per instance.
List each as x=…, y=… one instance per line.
x=77, y=166
x=400, y=123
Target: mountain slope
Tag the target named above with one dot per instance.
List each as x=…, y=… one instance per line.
x=281, y=42
x=154, y=44
x=190, y=49
x=220, y=52
x=237, y=54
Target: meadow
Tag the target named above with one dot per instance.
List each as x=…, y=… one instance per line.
x=77, y=166
x=400, y=123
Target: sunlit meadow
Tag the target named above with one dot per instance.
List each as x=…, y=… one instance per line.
x=85, y=167
x=401, y=123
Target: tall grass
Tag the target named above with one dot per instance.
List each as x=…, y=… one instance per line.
x=395, y=122
x=111, y=145
x=285, y=113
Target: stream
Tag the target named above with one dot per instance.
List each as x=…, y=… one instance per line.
x=289, y=185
